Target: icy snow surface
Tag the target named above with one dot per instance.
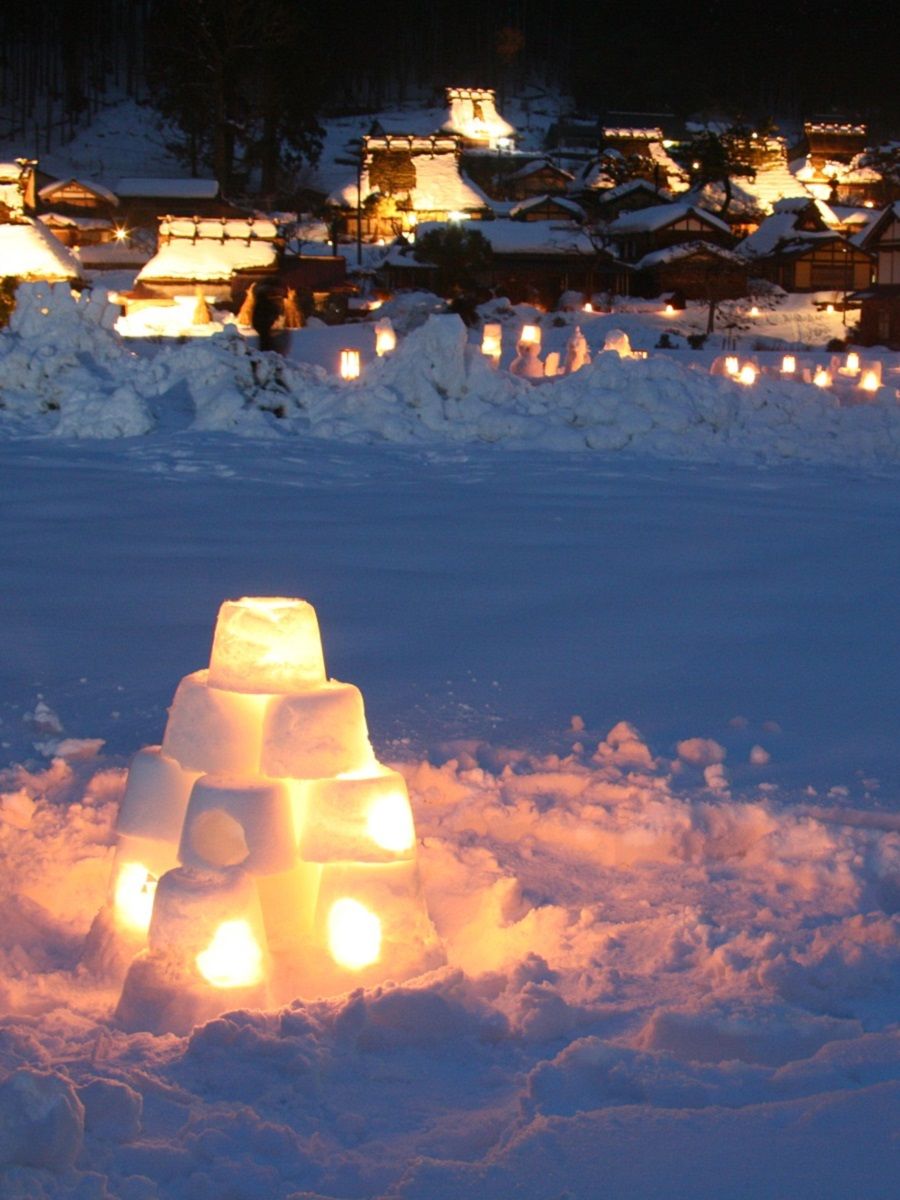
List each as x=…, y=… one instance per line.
x=644, y=696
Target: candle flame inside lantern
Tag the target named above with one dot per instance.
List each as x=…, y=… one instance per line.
x=354, y=934
x=133, y=897
x=747, y=373
x=788, y=364
x=492, y=341
x=390, y=823
x=853, y=362
x=732, y=366
x=385, y=338
x=233, y=958
x=349, y=364
x=530, y=335
x=822, y=378
x=869, y=381
x=588, y=307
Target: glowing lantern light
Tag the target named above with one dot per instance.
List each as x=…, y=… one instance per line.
x=349, y=364
x=670, y=310
x=788, y=365
x=296, y=848
x=852, y=363
x=390, y=823
x=385, y=338
x=754, y=311
x=492, y=342
x=121, y=235
x=732, y=365
x=747, y=374
x=870, y=381
x=354, y=934
x=233, y=957
x=530, y=335
x=822, y=378
x=133, y=895
x=829, y=308
x=588, y=308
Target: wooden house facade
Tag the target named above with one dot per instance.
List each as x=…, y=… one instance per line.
x=538, y=178
x=637, y=234
x=880, y=305
x=695, y=270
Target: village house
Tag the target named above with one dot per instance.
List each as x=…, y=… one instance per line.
x=604, y=204
x=144, y=202
x=547, y=208
x=540, y=177
x=880, y=304
x=638, y=233
x=798, y=248
x=404, y=180
x=220, y=256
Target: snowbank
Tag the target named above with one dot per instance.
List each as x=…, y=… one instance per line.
x=634, y=959
x=59, y=355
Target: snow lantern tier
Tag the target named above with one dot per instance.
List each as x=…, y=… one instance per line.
x=263, y=851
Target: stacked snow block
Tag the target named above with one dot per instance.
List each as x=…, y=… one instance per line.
x=284, y=852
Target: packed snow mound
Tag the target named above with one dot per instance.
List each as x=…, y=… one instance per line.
x=64, y=371
x=629, y=950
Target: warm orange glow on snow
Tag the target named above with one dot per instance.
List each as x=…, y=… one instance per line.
x=492, y=341
x=670, y=310
x=788, y=364
x=133, y=897
x=822, y=378
x=852, y=363
x=530, y=335
x=349, y=364
x=354, y=934
x=732, y=366
x=233, y=957
x=754, y=311
x=390, y=823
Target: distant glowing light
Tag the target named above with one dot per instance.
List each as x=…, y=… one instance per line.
x=385, y=338
x=457, y=216
x=747, y=374
x=852, y=363
x=732, y=366
x=670, y=310
x=233, y=958
x=349, y=364
x=870, y=381
x=492, y=342
x=390, y=823
x=354, y=934
x=829, y=308
x=788, y=364
x=588, y=308
x=822, y=378
x=754, y=311
x=530, y=335
x=120, y=234
x=133, y=897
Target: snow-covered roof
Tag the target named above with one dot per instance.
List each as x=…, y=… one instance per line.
x=687, y=250
x=440, y=187
x=526, y=206
x=61, y=221
x=536, y=165
x=779, y=232
x=219, y=229
x=658, y=216
x=168, y=189
x=473, y=115
x=207, y=260
x=527, y=237
x=29, y=251
x=633, y=185
x=49, y=190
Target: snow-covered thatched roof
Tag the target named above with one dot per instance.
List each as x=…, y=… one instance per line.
x=207, y=261
x=658, y=216
x=50, y=190
x=440, y=187
x=28, y=251
x=473, y=115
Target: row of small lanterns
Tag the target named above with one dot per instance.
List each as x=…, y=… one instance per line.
x=851, y=370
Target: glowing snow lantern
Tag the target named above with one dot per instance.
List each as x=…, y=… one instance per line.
x=829, y=308
x=754, y=311
x=297, y=849
x=669, y=310
x=530, y=335
x=492, y=342
x=732, y=364
x=385, y=338
x=870, y=381
x=852, y=363
x=747, y=374
x=822, y=378
x=788, y=365
x=588, y=307
x=349, y=364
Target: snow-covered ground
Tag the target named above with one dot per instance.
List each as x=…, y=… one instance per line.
x=630, y=635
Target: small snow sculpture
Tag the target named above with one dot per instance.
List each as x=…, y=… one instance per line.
x=263, y=851
x=577, y=353
x=617, y=340
x=385, y=338
x=527, y=362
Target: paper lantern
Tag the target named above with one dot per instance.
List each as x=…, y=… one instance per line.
x=263, y=852
x=349, y=364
